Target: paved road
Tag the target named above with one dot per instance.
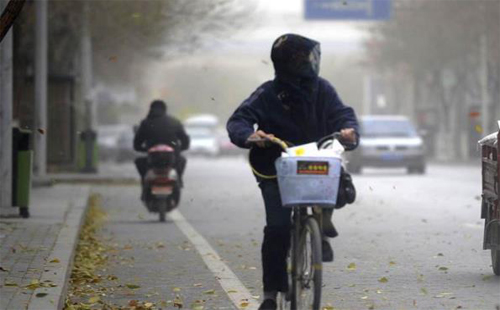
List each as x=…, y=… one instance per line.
x=422, y=233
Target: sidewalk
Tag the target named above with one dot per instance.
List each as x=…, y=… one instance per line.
x=36, y=254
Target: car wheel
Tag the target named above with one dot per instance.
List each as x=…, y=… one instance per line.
x=416, y=170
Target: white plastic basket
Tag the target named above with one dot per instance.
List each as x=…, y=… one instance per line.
x=308, y=180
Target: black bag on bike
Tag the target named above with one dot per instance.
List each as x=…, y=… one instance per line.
x=347, y=191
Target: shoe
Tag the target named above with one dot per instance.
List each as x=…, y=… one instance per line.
x=326, y=252
x=268, y=304
x=328, y=228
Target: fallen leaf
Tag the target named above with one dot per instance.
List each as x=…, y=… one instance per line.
x=148, y=305
x=93, y=300
x=244, y=304
x=392, y=263
x=328, y=307
x=383, y=280
x=55, y=260
x=176, y=289
x=132, y=286
x=41, y=295
x=351, y=267
x=232, y=291
x=209, y=292
x=178, y=303
x=443, y=268
x=7, y=283
x=423, y=290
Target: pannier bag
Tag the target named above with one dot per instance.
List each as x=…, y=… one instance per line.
x=347, y=191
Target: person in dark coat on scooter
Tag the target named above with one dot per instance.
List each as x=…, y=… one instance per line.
x=160, y=128
x=300, y=107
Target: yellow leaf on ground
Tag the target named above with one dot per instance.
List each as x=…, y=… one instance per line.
x=244, y=304
x=383, y=280
x=209, y=292
x=55, y=260
x=93, y=300
x=132, y=286
x=351, y=267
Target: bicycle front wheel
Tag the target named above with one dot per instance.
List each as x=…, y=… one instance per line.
x=309, y=267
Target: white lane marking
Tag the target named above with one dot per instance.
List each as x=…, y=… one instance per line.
x=233, y=287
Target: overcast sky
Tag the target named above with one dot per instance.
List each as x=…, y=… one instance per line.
x=276, y=17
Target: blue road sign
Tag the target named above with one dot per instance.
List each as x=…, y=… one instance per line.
x=348, y=9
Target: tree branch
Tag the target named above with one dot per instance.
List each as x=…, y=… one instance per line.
x=9, y=15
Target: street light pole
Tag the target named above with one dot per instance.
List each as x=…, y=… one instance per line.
x=41, y=77
x=485, y=100
x=6, y=92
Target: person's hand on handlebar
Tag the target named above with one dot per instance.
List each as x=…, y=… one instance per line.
x=348, y=135
x=263, y=137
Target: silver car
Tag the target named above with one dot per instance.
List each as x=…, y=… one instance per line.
x=388, y=141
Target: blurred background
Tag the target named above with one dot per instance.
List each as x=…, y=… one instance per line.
x=437, y=63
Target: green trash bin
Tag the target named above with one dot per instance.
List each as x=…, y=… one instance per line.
x=22, y=164
x=87, y=151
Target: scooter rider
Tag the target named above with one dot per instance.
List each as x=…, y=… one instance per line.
x=300, y=107
x=160, y=128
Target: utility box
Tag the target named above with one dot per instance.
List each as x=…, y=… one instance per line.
x=22, y=164
x=87, y=151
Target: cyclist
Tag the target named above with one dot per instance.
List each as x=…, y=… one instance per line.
x=299, y=107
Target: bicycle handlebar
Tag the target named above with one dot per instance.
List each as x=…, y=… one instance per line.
x=284, y=146
x=273, y=140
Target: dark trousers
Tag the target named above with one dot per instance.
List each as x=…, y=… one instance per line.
x=276, y=238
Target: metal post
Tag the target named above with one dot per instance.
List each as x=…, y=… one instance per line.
x=87, y=76
x=6, y=92
x=41, y=82
x=485, y=100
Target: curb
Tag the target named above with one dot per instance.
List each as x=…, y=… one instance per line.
x=75, y=180
x=63, y=250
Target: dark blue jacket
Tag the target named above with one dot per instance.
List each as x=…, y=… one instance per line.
x=296, y=122
x=298, y=125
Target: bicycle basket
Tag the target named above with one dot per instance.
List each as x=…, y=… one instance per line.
x=308, y=180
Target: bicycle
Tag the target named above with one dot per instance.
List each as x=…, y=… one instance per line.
x=307, y=199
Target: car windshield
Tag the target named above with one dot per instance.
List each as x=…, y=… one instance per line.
x=387, y=128
x=199, y=133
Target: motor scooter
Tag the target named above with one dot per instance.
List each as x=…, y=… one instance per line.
x=161, y=182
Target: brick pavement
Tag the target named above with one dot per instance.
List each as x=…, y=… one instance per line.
x=27, y=246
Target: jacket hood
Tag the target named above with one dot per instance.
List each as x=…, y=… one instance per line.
x=295, y=56
x=155, y=113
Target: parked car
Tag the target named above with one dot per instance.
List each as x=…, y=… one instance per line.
x=202, y=130
x=388, y=141
x=125, y=146
x=107, y=140
x=226, y=147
